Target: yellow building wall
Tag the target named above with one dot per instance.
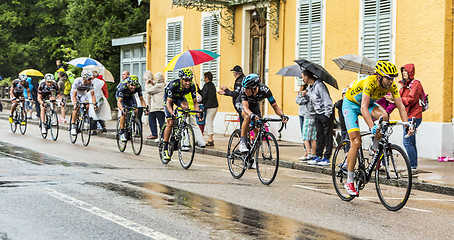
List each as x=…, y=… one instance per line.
x=423, y=37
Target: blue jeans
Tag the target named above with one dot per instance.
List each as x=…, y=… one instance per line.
x=410, y=146
x=152, y=117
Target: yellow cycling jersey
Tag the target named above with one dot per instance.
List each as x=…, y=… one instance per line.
x=371, y=88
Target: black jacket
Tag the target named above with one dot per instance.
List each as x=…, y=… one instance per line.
x=236, y=89
x=208, y=94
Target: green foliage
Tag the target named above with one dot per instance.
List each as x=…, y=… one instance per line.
x=35, y=33
x=6, y=81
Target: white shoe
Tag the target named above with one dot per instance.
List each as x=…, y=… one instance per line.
x=156, y=140
x=303, y=158
x=243, y=148
x=43, y=129
x=73, y=131
x=123, y=138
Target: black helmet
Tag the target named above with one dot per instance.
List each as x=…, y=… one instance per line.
x=251, y=80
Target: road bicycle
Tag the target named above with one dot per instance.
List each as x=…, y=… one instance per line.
x=181, y=139
x=50, y=121
x=264, y=151
x=132, y=131
x=82, y=124
x=390, y=162
x=19, y=117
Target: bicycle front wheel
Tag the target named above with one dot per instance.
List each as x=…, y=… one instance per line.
x=267, y=158
x=44, y=133
x=339, y=170
x=72, y=138
x=54, y=127
x=14, y=123
x=235, y=159
x=393, y=178
x=136, y=136
x=23, y=121
x=186, y=146
x=85, y=130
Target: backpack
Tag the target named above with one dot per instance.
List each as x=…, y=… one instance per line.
x=424, y=100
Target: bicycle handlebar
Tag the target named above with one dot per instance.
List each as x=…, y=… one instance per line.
x=411, y=124
x=264, y=120
x=189, y=111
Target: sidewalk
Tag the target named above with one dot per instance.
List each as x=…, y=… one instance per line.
x=433, y=176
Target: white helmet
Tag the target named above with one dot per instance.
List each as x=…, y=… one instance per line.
x=49, y=77
x=22, y=77
x=87, y=74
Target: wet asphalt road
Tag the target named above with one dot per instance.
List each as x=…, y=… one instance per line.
x=57, y=190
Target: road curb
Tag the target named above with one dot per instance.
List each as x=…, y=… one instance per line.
x=417, y=185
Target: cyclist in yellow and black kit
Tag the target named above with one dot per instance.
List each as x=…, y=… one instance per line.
x=360, y=100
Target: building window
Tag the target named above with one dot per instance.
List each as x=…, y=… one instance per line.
x=210, y=41
x=377, y=29
x=309, y=44
x=132, y=62
x=174, y=39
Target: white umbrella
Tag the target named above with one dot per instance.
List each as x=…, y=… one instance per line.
x=84, y=61
x=102, y=71
x=356, y=63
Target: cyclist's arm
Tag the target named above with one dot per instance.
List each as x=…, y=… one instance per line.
x=142, y=102
x=73, y=97
x=11, y=91
x=119, y=104
x=401, y=108
x=40, y=99
x=29, y=94
x=169, y=105
x=365, y=110
x=277, y=109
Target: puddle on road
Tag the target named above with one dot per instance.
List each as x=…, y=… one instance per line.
x=221, y=215
x=38, y=158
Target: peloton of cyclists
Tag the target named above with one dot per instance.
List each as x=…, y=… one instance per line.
x=48, y=90
x=174, y=94
x=17, y=93
x=125, y=98
x=80, y=91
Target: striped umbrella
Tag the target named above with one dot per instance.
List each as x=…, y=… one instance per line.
x=190, y=58
x=355, y=63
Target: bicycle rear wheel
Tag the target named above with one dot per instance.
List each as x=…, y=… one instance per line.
x=120, y=144
x=85, y=129
x=54, y=127
x=393, y=178
x=339, y=170
x=235, y=159
x=267, y=158
x=15, y=119
x=136, y=136
x=186, y=146
x=73, y=138
x=23, y=121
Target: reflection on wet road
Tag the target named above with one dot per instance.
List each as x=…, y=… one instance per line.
x=221, y=215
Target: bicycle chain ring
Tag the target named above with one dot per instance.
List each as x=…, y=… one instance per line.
x=360, y=177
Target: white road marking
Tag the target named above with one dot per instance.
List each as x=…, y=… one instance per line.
x=305, y=187
x=417, y=209
x=148, y=232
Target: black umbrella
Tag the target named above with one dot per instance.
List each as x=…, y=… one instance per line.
x=318, y=71
x=290, y=71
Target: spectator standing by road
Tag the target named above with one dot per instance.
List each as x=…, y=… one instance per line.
x=323, y=105
x=103, y=112
x=193, y=121
x=411, y=92
x=62, y=78
x=307, y=120
x=154, y=97
x=238, y=75
x=210, y=103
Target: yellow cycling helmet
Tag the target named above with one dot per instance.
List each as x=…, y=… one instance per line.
x=386, y=69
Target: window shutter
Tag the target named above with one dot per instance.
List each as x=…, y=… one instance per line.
x=377, y=28
x=210, y=42
x=310, y=31
x=173, y=45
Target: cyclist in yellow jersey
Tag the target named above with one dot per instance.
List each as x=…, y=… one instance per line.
x=360, y=100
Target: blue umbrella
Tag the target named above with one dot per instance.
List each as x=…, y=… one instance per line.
x=84, y=61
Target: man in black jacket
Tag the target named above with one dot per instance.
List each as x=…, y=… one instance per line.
x=239, y=75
